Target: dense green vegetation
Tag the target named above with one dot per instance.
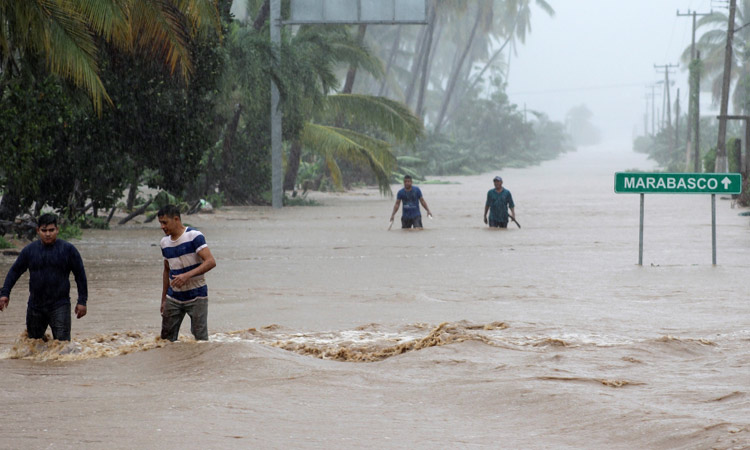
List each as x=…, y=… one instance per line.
x=99, y=97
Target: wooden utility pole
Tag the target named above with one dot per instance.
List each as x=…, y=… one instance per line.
x=691, y=106
x=668, y=102
x=721, y=147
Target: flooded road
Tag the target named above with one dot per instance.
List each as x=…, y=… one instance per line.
x=328, y=331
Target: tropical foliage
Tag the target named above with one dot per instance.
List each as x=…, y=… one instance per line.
x=99, y=97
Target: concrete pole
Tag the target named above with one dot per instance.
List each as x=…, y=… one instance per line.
x=276, y=160
x=697, y=125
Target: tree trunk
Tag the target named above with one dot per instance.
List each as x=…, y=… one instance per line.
x=478, y=77
x=391, y=58
x=137, y=212
x=229, y=136
x=352, y=73
x=456, y=72
x=133, y=191
x=111, y=213
x=262, y=16
x=292, y=165
x=415, y=66
x=10, y=205
x=426, y=63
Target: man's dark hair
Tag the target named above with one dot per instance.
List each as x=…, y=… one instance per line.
x=169, y=211
x=407, y=177
x=46, y=219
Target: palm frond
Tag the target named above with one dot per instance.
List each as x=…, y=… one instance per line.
x=71, y=50
x=546, y=7
x=160, y=29
x=333, y=143
x=107, y=18
x=203, y=16
x=390, y=116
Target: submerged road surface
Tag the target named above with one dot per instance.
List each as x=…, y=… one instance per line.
x=328, y=331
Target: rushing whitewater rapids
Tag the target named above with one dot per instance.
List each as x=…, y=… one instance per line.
x=329, y=331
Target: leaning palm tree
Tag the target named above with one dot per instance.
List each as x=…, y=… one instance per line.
x=335, y=124
x=712, y=45
x=326, y=137
x=65, y=34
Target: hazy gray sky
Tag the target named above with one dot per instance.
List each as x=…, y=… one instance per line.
x=589, y=46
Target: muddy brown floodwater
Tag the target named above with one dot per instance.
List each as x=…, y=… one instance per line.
x=328, y=331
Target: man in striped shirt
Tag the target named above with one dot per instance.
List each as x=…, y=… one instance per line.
x=186, y=260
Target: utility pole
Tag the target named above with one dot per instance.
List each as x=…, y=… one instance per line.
x=668, y=101
x=277, y=193
x=691, y=106
x=695, y=98
x=677, y=118
x=653, y=110
x=721, y=147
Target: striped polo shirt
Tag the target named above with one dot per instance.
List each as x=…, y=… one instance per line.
x=182, y=256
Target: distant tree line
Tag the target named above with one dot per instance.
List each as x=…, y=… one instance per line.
x=99, y=97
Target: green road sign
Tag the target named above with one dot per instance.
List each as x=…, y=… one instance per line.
x=678, y=183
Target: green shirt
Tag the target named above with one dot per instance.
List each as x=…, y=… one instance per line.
x=499, y=202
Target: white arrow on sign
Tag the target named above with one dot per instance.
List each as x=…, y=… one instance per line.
x=726, y=182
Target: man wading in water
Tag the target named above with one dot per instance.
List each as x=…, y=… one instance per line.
x=186, y=259
x=498, y=202
x=412, y=197
x=49, y=262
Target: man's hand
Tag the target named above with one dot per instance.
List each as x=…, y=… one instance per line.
x=485, y=219
x=80, y=311
x=179, y=280
x=163, y=305
x=4, y=302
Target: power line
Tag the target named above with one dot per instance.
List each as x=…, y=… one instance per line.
x=578, y=89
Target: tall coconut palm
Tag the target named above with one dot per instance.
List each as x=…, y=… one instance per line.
x=712, y=45
x=65, y=34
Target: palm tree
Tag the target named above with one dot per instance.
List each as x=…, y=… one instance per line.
x=330, y=131
x=712, y=45
x=336, y=142
x=65, y=34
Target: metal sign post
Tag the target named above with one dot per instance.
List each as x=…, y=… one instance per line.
x=640, y=233
x=678, y=183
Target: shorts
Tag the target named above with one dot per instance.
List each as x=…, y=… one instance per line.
x=174, y=312
x=496, y=224
x=414, y=222
x=55, y=317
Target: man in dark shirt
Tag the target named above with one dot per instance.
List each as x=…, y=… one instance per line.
x=497, y=203
x=49, y=262
x=411, y=217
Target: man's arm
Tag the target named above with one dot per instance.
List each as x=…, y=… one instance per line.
x=15, y=272
x=80, y=275
x=486, y=207
x=424, y=203
x=395, y=208
x=208, y=263
x=165, y=286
